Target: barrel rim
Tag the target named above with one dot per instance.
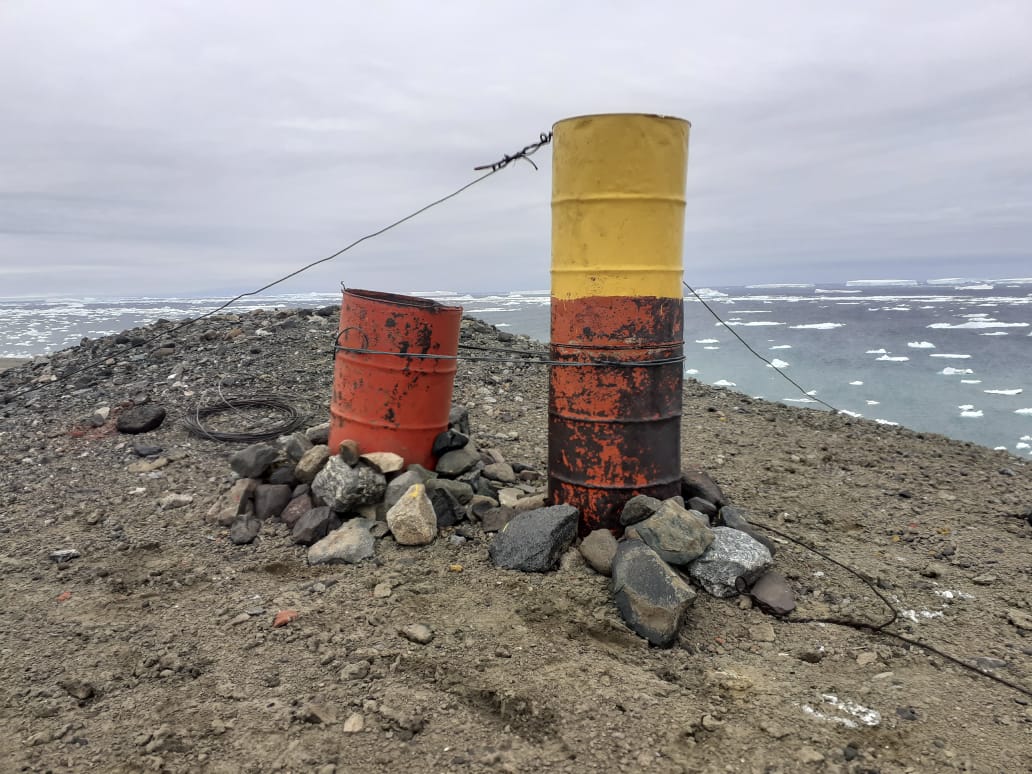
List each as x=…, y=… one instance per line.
x=622, y=115
x=398, y=299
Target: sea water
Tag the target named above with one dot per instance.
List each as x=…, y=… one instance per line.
x=948, y=356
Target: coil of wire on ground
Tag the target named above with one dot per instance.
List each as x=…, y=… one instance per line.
x=293, y=419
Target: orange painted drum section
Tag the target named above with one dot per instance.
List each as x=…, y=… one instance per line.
x=614, y=428
x=393, y=402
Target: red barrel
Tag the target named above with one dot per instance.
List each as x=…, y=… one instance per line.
x=393, y=402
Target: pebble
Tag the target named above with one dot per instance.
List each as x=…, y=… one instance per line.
x=382, y=590
x=141, y=419
x=421, y=634
x=599, y=550
x=63, y=555
x=354, y=724
x=762, y=632
x=284, y=617
x=239, y=619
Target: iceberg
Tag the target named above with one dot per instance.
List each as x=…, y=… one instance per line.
x=897, y=283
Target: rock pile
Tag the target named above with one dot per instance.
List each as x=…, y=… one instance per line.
x=339, y=503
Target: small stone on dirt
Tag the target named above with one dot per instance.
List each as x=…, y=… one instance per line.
x=599, y=550
x=421, y=634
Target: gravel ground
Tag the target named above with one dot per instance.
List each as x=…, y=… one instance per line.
x=154, y=649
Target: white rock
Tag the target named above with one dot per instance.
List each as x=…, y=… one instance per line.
x=412, y=520
x=385, y=462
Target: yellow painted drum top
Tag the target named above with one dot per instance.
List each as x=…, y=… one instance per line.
x=617, y=241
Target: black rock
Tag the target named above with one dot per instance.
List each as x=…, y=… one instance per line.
x=146, y=450
x=245, y=529
x=270, y=500
x=460, y=490
x=696, y=482
x=651, y=597
x=533, y=541
x=449, y=440
x=454, y=463
x=638, y=508
x=449, y=510
x=141, y=419
x=284, y=474
x=252, y=461
x=495, y=518
x=314, y=526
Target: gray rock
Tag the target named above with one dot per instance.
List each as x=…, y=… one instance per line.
x=349, y=451
x=705, y=507
x=314, y=526
x=252, y=461
x=494, y=519
x=397, y=486
x=319, y=434
x=146, y=450
x=674, y=534
x=638, y=508
x=295, y=509
x=696, y=482
x=141, y=419
x=270, y=500
x=499, y=471
x=454, y=463
x=731, y=555
x=458, y=419
x=449, y=510
x=421, y=634
x=239, y=499
x=343, y=487
x=599, y=550
x=311, y=462
x=63, y=555
x=350, y=544
x=282, y=474
x=479, y=505
x=772, y=594
x=651, y=597
x=245, y=529
x=385, y=462
x=534, y=541
x=460, y=490
x=294, y=445
x=412, y=520
x=733, y=517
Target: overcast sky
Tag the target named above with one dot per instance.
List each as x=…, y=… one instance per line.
x=182, y=147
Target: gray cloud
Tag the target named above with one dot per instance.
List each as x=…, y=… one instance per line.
x=148, y=148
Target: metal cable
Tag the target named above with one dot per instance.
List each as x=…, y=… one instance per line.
x=734, y=333
x=194, y=422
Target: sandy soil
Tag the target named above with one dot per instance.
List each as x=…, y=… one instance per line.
x=155, y=650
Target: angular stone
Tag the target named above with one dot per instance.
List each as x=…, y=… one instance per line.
x=638, y=508
x=252, y=461
x=534, y=541
x=458, y=419
x=385, y=462
x=397, y=486
x=651, y=597
x=245, y=529
x=449, y=440
x=412, y=520
x=705, y=507
x=772, y=594
x=454, y=463
x=730, y=516
x=509, y=496
x=314, y=526
x=295, y=509
x=494, y=519
x=421, y=634
x=449, y=511
x=674, y=534
x=696, y=482
x=318, y=434
x=460, y=490
x=531, y=502
x=349, y=544
x=270, y=500
x=479, y=505
x=311, y=462
x=499, y=471
x=732, y=555
x=294, y=445
x=239, y=499
x=282, y=474
x=141, y=419
x=343, y=487
x=599, y=550
x=348, y=451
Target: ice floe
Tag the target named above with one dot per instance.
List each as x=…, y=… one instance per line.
x=1026, y=411
x=876, y=352
x=707, y=341
x=1012, y=391
x=893, y=359
x=920, y=345
x=824, y=326
x=948, y=371
x=953, y=357
x=724, y=383
x=781, y=346
x=978, y=324
x=775, y=363
x=856, y=383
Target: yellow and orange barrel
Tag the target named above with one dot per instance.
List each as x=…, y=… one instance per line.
x=394, y=370
x=617, y=315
